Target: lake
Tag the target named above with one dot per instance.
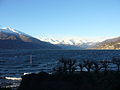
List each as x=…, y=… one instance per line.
x=15, y=63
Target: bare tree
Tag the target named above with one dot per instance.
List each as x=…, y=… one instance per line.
x=64, y=63
x=97, y=66
x=81, y=65
x=71, y=65
x=88, y=64
x=116, y=60
x=105, y=64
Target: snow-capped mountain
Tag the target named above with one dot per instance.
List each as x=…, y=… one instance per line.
x=74, y=43
x=13, y=39
x=10, y=30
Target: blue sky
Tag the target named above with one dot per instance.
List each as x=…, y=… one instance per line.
x=62, y=18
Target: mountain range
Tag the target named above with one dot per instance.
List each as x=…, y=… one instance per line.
x=113, y=43
x=70, y=43
x=13, y=39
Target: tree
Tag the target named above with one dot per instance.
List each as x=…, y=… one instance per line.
x=71, y=65
x=105, y=64
x=116, y=60
x=88, y=64
x=64, y=63
x=81, y=65
x=97, y=66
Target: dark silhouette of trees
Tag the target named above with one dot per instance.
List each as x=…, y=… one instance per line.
x=71, y=65
x=66, y=65
x=116, y=60
x=105, y=64
x=81, y=65
x=88, y=64
x=97, y=66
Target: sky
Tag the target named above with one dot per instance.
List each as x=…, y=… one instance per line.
x=62, y=18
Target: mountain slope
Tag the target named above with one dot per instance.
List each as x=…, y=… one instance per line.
x=113, y=43
x=14, y=39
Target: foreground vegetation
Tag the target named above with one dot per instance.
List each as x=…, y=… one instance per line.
x=62, y=81
x=92, y=75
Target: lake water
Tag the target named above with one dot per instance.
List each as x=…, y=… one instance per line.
x=14, y=63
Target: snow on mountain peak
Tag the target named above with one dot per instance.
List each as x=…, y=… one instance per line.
x=9, y=30
x=70, y=41
x=12, y=31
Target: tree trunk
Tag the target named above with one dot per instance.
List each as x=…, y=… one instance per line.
x=88, y=69
x=81, y=69
x=118, y=68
